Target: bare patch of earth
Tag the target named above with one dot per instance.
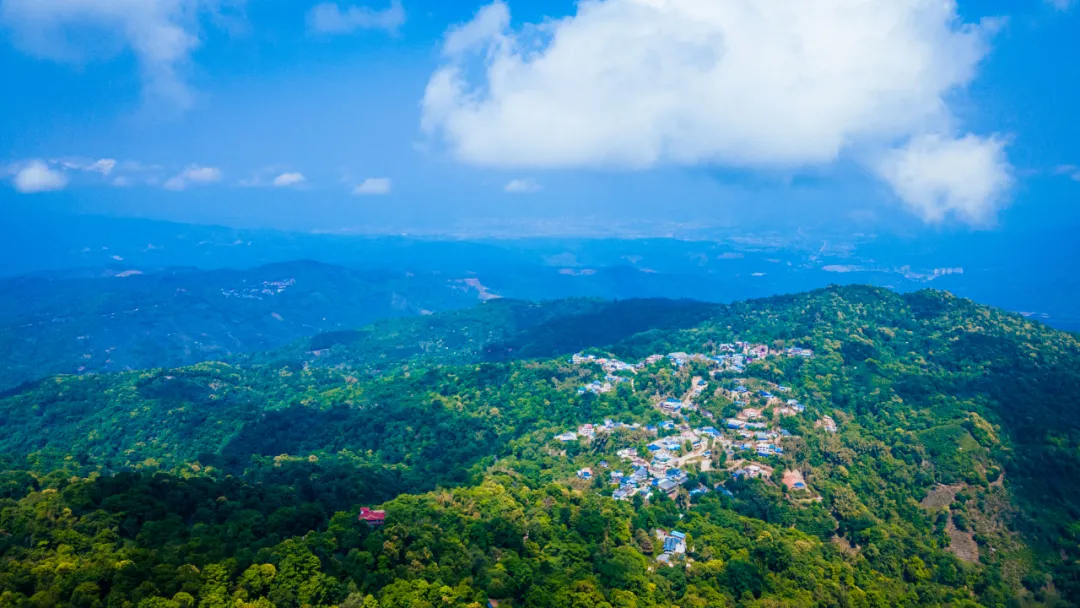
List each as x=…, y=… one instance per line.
x=940, y=497
x=962, y=544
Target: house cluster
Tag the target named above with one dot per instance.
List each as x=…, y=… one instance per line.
x=609, y=365
x=749, y=431
x=681, y=359
x=596, y=388
x=267, y=288
x=590, y=431
x=661, y=467
x=750, y=434
x=754, y=470
x=611, y=378
x=674, y=544
x=663, y=470
x=732, y=357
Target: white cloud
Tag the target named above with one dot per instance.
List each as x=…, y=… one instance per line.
x=329, y=18
x=744, y=82
x=522, y=186
x=1061, y=5
x=373, y=185
x=202, y=175
x=1070, y=171
x=161, y=33
x=37, y=176
x=273, y=176
x=194, y=174
x=936, y=176
x=103, y=166
x=130, y=173
x=175, y=183
x=288, y=179
x=487, y=27
x=137, y=167
x=738, y=83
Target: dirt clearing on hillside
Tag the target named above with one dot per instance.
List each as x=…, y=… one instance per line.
x=793, y=479
x=962, y=544
x=940, y=497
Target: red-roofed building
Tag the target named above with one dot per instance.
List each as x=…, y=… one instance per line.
x=373, y=518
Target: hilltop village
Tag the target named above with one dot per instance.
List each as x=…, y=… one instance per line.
x=746, y=445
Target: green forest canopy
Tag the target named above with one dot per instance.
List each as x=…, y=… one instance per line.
x=239, y=483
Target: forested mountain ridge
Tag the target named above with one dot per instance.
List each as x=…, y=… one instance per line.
x=242, y=467
x=118, y=320
x=499, y=330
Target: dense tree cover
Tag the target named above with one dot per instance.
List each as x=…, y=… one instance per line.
x=500, y=330
x=429, y=426
x=158, y=540
x=75, y=324
x=401, y=432
x=260, y=468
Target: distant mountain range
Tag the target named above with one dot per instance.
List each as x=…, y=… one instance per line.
x=1034, y=273
x=91, y=294
x=128, y=316
x=75, y=323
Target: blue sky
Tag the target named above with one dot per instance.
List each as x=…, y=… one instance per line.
x=911, y=115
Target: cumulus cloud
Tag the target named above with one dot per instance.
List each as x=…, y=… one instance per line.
x=193, y=175
x=373, y=186
x=161, y=33
x=38, y=176
x=522, y=186
x=273, y=177
x=737, y=83
x=288, y=179
x=329, y=18
x=1061, y=5
x=937, y=176
x=57, y=173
